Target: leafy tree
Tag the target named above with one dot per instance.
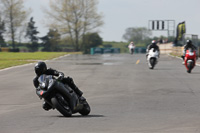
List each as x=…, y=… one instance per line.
x=136, y=34
x=31, y=33
x=15, y=16
x=51, y=40
x=91, y=40
x=74, y=18
x=2, y=30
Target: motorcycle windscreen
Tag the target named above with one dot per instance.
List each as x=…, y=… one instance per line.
x=44, y=80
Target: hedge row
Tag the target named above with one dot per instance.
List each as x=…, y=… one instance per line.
x=9, y=50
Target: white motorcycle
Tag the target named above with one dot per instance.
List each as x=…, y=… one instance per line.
x=131, y=49
x=152, y=58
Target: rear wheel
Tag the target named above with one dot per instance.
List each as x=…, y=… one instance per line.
x=86, y=109
x=61, y=105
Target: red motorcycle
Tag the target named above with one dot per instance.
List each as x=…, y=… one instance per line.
x=190, y=59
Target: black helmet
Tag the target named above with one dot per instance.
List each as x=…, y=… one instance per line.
x=189, y=42
x=40, y=68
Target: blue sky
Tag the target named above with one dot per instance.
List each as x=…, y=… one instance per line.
x=122, y=14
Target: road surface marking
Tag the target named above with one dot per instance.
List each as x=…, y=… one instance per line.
x=138, y=61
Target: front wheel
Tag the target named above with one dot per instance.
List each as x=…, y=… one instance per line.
x=132, y=51
x=152, y=63
x=61, y=105
x=86, y=109
x=190, y=66
x=189, y=71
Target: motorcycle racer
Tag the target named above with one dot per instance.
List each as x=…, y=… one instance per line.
x=41, y=68
x=152, y=45
x=187, y=46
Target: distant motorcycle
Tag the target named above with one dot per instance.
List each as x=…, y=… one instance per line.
x=131, y=49
x=190, y=59
x=61, y=97
x=152, y=58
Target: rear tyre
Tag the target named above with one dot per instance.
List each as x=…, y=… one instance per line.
x=86, y=109
x=61, y=105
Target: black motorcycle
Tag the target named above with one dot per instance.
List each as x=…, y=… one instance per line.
x=61, y=97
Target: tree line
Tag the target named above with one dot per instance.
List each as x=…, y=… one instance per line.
x=143, y=37
x=72, y=22
x=73, y=25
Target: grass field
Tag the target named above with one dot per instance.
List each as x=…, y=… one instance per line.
x=8, y=59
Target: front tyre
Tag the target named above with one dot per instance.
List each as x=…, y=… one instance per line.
x=132, y=50
x=61, y=105
x=86, y=109
x=189, y=71
x=190, y=66
x=152, y=63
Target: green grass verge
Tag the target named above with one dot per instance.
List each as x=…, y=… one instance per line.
x=10, y=63
x=9, y=59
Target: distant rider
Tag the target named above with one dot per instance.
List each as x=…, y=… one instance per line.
x=41, y=68
x=131, y=47
x=153, y=45
x=187, y=46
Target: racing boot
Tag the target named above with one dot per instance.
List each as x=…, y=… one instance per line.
x=69, y=81
x=46, y=106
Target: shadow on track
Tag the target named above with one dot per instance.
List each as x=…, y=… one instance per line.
x=195, y=73
x=80, y=116
x=162, y=69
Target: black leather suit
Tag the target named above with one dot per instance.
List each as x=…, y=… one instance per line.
x=66, y=80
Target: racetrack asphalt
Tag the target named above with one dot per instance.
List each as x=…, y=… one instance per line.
x=124, y=94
